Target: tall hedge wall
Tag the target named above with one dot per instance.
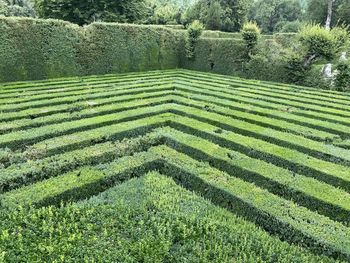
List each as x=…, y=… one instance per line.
x=219, y=55
x=113, y=48
x=38, y=49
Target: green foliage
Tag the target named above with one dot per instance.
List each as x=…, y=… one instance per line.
x=317, y=41
x=110, y=48
x=38, y=49
x=194, y=31
x=289, y=27
x=150, y=219
x=219, y=14
x=85, y=12
x=271, y=13
x=251, y=34
x=22, y=8
x=267, y=63
x=342, y=78
x=214, y=16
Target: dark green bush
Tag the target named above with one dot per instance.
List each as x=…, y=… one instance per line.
x=342, y=78
x=194, y=31
x=268, y=63
x=111, y=48
x=251, y=34
x=219, y=55
x=38, y=49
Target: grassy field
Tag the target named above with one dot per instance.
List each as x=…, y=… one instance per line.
x=173, y=166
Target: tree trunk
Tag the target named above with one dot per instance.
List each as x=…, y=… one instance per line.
x=329, y=14
x=327, y=69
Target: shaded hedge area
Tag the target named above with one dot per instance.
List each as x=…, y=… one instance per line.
x=219, y=55
x=38, y=49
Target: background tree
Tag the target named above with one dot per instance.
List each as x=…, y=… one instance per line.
x=229, y=14
x=17, y=8
x=84, y=12
x=271, y=15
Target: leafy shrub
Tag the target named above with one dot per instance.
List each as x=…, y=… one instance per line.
x=268, y=63
x=289, y=26
x=342, y=78
x=296, y=71
x=314, y=78
x=251, y=33
x=317, y=41
x=194, y=31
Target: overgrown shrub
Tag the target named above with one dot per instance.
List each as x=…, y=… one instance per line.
x=250, y=33
x=342, y=77
x=289, y=26
x=268, y=63
x=194, y=31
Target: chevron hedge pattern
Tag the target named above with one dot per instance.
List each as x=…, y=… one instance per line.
x=275, y=156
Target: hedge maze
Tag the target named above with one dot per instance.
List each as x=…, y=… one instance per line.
x=276, y=156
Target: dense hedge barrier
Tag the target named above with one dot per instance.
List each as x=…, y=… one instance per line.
x=219, y=55
x=39, y=49
x=32, y=49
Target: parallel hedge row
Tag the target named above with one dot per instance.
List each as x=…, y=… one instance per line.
x=39, y=49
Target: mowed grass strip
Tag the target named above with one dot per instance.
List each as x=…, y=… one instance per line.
x=259, y=88
x=129, y=89
x=86, y=109
x=50, y=84
x=77, y=105
x=298, y=162
x=81, y=183
x=21, y=139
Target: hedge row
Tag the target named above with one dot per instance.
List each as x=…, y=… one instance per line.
x=277, y=215
x=81, y=183
x=311, y=193
x=22, y=174
x=39, y=49
x=152, y=219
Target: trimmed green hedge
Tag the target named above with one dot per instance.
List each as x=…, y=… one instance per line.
x=38, y=49
x=32, y=49
x=219, y=55
x=111, y=48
